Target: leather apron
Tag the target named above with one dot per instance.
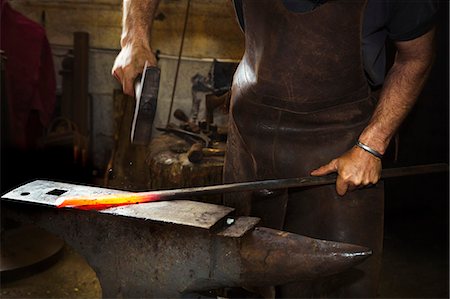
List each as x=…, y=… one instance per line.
x=300, y=99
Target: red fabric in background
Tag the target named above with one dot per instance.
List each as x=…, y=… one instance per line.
x=30, y=76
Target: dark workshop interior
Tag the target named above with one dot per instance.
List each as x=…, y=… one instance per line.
x=65, y=118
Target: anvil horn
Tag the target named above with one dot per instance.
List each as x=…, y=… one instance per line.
x=171, y=248
x=279, y=257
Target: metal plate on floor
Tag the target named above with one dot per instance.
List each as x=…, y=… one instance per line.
x=26, y=250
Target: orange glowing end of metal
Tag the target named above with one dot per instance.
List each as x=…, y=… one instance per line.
x=105, y=201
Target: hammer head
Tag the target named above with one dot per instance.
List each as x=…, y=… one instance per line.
x=146, y=92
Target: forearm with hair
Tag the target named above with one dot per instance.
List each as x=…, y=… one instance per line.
x=137, y=21
x=401, y=89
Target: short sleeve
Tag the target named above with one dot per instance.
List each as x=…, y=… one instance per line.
x=239, y=13
x=409, y=19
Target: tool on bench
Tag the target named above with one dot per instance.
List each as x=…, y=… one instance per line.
x=213, y=102
x=106, y=201
x=200, y=141
x=197, y=152
x=181, y=116
x=190, y=136
x=146, y=93
x=200, y=144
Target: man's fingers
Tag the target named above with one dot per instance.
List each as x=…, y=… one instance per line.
x=352, y=187
x=326, y=169
x=124, y=80
x=128, y=86
x=128, y=89
x=117, y=73
x=341, y=186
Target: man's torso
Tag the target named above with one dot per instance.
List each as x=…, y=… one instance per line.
x=394, y=19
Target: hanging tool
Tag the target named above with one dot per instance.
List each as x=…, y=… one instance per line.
x=105, y=201
x=177, y=71
x=146, y=92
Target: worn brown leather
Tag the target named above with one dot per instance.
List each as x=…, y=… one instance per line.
x=299, y=99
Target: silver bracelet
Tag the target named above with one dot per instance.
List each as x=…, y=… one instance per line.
x=369, y=149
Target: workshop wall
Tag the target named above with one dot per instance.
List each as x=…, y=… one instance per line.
x=212, y=32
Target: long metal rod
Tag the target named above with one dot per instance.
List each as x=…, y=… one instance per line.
x=294, y=182
x=179, y=61
x=104, y=201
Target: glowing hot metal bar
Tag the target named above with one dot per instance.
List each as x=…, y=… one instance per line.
x=98, y=202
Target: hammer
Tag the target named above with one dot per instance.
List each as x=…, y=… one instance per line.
x=146, y=92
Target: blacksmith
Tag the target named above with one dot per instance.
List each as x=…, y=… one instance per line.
x=310, y=97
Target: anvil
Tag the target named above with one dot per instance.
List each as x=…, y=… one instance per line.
x=176, y=248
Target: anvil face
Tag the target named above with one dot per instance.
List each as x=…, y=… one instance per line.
x=170, y=248
x=194, y=214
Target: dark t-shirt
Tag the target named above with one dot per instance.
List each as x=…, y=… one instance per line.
x=399, y=20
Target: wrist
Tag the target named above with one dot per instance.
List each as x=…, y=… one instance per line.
x=368, y=149
x=376, y=141
x=135, y=39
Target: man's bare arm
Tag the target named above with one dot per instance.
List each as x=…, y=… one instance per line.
x=400, y=91
x=135, y=42
x=402, y=86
